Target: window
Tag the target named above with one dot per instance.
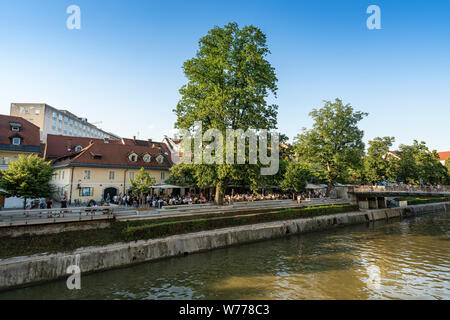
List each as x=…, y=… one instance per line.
x=163, y=176
x=71, y=122
x=60, y=117
x=55, y=115
x=131, y=175
x=87, y=174
x=86, y=192
x=15, y=128
x=65, y=129
x=147, y=158
x=54, y=124
x=37, y=111
x=78, y=148
x=62, y=176
x=26, y=111
x=66, y=120
x=59, y=126
x=16, y=141
x=160, y=159
x=133, y=157
x=76, y=124
x=70, y=130
x=31, y=120
x=4, y=160
x=111, y=175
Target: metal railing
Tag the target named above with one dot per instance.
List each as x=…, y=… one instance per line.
x=44, y=216
x=404, y=188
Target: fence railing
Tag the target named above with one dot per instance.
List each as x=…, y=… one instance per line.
x=405, y=188
x=42, y=216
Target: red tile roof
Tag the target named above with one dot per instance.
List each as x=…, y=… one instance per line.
x=58, y=146
x=444, y=155
x=28, y=132
x=113, y=154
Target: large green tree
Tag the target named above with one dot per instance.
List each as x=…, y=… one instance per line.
x=419, y=164
x=297, y=176
x=229, y=81
x=378, y=164
x=334, y=142
x=142, y=184
x=28, y=177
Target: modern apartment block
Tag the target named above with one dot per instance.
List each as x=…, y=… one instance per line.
x=59, y=122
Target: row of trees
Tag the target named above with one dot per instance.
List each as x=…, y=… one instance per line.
x=229, y=82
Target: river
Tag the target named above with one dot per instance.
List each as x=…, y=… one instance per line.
x=400, y=259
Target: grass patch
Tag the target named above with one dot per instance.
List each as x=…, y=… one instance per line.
x=151, y=229
x=414, y=201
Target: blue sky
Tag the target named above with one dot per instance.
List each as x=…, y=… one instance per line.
x=124, y=66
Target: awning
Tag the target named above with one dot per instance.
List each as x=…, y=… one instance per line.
x=166, y=186
x=314, y=186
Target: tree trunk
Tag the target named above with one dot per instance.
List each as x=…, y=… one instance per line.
x=24, y=203
x=293, y=196
x=329, y=187
x=219, y=196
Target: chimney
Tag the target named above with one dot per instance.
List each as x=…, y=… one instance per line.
x=69, y=145
x=134, y=138
x=149, y=140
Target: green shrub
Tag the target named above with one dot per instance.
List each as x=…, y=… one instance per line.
x=426, y=200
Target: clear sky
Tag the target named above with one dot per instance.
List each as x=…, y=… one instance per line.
x=124, y=66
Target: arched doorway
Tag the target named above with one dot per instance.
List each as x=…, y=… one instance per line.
x=112, y=192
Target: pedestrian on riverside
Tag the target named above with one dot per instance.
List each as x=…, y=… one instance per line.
x=64, y=203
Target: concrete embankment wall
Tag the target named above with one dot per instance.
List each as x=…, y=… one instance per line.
x=40, y=229
x=20, y=271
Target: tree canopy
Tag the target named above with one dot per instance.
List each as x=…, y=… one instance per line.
x=334, y=142
x=28, y=177
x=229, y=81
x=297, y=176
x=417, y=164
x=142, y=184
x=378, y=164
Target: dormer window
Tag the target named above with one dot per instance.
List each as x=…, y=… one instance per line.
x=78, y=148
x=16, y=141
x=160, y=159
x=133, y=157
x=147, y=158
x=15, y=126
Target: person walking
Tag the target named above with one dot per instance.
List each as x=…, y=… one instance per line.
x=64, y=203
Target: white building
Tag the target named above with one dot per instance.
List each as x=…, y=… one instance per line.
x=59, y=122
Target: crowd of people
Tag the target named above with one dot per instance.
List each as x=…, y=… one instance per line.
x=191, y=198
x=155, y=201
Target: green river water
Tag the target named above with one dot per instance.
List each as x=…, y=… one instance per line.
x=400, y=259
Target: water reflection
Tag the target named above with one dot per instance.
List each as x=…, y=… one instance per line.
x=396, y=260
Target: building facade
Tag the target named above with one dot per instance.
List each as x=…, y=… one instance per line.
x=58, y=122
x=90, y=169
x=17, y=137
